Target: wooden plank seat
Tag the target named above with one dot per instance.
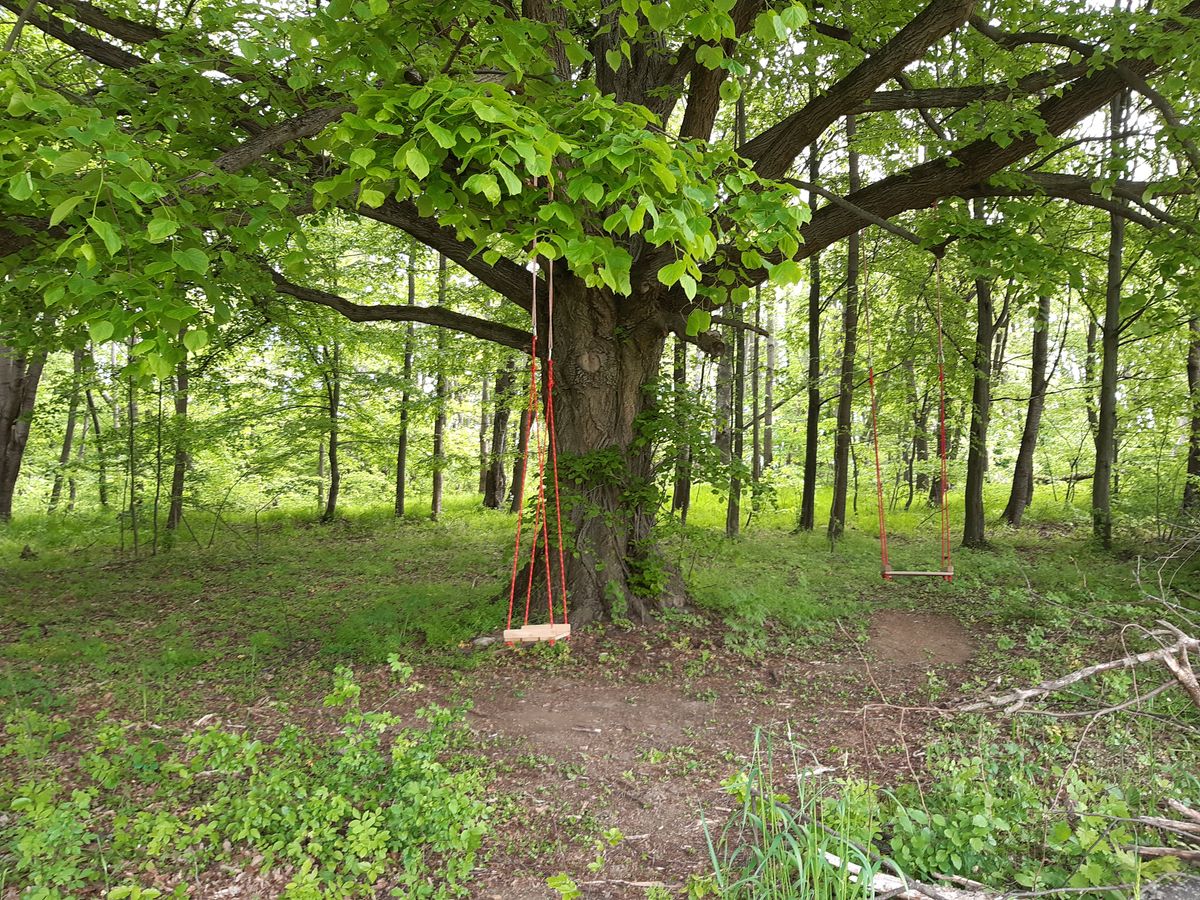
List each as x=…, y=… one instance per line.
x=532, y=634
x=894, y=573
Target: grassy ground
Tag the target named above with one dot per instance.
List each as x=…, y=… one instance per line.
x=261, y=620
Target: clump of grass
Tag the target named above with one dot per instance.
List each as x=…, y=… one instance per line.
x=776, y=846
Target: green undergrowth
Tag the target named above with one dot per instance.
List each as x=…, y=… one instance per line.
x=1015, y=808
x=371, y=807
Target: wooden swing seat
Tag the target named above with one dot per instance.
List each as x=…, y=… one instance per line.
x=532, y=634
x=894, y=573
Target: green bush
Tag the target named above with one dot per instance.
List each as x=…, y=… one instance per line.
x=373, y=800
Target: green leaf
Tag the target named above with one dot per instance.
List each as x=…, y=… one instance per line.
x=64, y=209
x=20, y=186
x=371, y=197
x=486, y=184
x=613, y=58
x=108, y=234
x=71, y=161
x=100, y=331
x=443, y=136
x=489, y=112
x=362, y=157
x=195, y=340
x=160, y=229
x=786, y=272
x=511, y=181
x=417, y=163
x=193, y=259
x=698, y=320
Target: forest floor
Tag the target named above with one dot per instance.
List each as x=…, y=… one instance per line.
x=605, y=754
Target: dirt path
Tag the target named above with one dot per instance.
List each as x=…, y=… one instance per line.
x=643, y=745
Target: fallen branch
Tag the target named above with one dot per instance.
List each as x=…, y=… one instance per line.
x=1188, y=856
x=1176, y=653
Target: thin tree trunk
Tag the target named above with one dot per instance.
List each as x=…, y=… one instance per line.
x=1191, y=488
x=484, y=427
x=812, y=415
x=756, y=465
x=19, y=378
x=518, y=474
x=1110, y=338
x=724, y=397
x=321, y=474
x=158, y=469
x=64, y=457
x=493, y=489
x=439, y=421
x=768, y=448
x=733, y=509
x=845, y=407
x=974, y=522
x=101, y=460
x=131, y=419
x=179, y=462
x=80, y=456
x=1021, y=494
x=681, y=499
x=405, y=394
x=333, y=395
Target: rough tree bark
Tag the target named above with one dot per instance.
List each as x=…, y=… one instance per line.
x=20, y=374
x=1022, y=485
x=64, y=458
x=756, y=464
x=724, y=399
x=845, y=406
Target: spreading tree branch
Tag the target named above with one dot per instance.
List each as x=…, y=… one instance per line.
x=495, y=332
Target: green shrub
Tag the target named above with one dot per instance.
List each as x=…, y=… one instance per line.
x=373, y=800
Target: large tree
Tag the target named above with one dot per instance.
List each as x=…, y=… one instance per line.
x=176, y=160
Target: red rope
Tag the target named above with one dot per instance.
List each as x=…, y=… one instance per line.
x=541, y=523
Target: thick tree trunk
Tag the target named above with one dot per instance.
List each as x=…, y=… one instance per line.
x=439, y=418
x=493, y=489
x=812, y=415
x=64, y=458
x=1022, y=485
x=333, y=395
x=19, y=378
x=179, y=462
x=975, y=519
x=845, y=407
x=606, y=354
x=405, y=396
x=1191, y=488
x=681, y=497
x=1110, y=341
